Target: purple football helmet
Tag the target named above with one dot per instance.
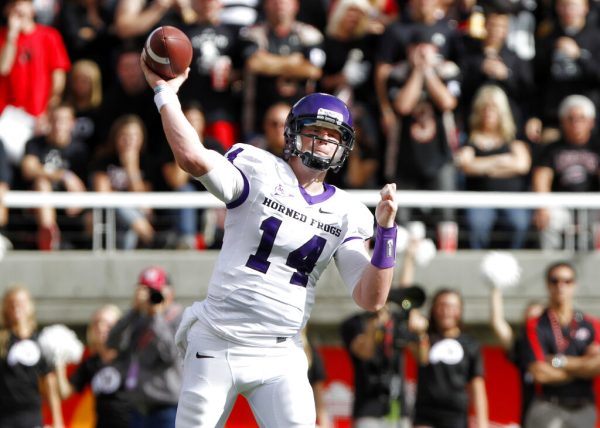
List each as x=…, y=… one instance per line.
x=322, y=110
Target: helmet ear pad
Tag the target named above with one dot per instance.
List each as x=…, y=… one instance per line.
x=322, y=110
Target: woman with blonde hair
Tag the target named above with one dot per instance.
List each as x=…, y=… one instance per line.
x=494, y=161
x=84, y=92
x=25, y=376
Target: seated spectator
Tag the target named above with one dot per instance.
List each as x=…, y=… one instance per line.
x=272, y=138
x=55, y=162
x=130, y=94
x=100, y=371
x=450, y=368
x=25, y=376
x=84, y=92
x=186, y=219
x=33, y=63
x=283, y=59
x=494, y=161
x=122, y=166
x=571, y=164
x=214, y=71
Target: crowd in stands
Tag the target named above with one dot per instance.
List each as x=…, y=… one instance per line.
x=482, y=95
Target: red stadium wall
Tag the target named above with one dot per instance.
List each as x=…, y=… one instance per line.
x=501, y=384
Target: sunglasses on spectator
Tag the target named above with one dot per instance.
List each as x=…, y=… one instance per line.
x=275, y=123
x=555, y=280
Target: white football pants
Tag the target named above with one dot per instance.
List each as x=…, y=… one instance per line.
x=273, y=380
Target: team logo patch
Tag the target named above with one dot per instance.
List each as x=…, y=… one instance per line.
x=582, y=334
x=106, y=381
x=25, y=352
x=447, y=351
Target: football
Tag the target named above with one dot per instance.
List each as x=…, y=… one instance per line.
x=168, y=51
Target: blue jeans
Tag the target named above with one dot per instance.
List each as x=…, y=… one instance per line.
x=481, y=221
x=163, y=418
x=187, y=223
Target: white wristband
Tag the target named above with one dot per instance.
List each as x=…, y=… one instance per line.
x=164, y=95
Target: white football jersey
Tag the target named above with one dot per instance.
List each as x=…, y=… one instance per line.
x=278, y=241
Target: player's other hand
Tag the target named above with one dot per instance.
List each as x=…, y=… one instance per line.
x=155, y=80
x=385, y=213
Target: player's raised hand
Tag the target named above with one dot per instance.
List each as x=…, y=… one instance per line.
x=385, y=213
x=155, y=80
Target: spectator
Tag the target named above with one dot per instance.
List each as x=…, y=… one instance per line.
x=122, y=166
x=423, y=91
x=33, y=62
x=272, y=138
x=348, y=69
x=566, y=63
x=55, y=162
x=134, y=20
x=186, y=219
x=283, y=58
x=376, y=342
x=215, y=68
x=101, y=372
x=493, y=160
x=420, y=16
x=514, y=345
x=490, y=61
x=565, y=394
x=571, y=164
x=129, y=94
x=24, y=373
x=144, y=339
x=84, y=92
x=450, y=368
x=86, y=26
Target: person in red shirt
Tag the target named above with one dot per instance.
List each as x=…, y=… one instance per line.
x=33, y=61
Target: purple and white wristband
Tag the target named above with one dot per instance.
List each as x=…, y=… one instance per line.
x=384, y=252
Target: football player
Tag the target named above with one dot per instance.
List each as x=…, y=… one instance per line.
x=284, y=225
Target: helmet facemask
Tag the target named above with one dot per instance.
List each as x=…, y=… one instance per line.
x=295, y=131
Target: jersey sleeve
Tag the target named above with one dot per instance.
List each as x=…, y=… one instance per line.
x=352, y=257
x=225, y=181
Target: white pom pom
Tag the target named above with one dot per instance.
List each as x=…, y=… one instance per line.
x=501, y=269
x=401, y=239
x=60, y=344
x=425, y=252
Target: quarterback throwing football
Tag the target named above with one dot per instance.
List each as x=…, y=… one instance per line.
x=284, y=225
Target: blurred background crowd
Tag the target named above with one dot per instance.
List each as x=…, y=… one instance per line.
x=479, y=95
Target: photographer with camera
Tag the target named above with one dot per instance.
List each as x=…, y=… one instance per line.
x=375, y=342
x=144, y=339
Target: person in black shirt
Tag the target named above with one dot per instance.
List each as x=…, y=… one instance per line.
x=23, y=370
x=55, y=162
x=450, y=368
x=214, y=70
x=283, y=58
x=571, y=164
x=101, y=372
